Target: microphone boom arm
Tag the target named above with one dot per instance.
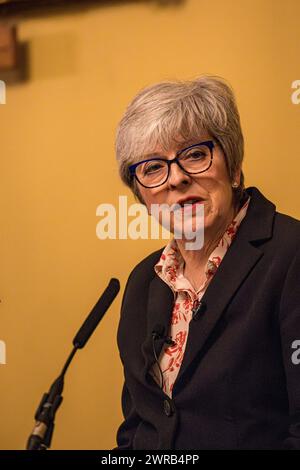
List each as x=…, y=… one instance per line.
x=41, y=436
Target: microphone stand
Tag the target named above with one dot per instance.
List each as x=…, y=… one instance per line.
x=41, y=436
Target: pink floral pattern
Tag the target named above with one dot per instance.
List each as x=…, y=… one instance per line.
x=170, y=269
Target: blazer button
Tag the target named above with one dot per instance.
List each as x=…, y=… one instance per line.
x=168, y=408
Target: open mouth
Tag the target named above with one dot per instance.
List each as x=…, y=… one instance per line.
x=190, y=202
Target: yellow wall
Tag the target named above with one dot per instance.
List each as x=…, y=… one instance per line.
x=57, y=165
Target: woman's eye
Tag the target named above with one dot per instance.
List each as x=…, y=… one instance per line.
x=196, y=155
x=152, y=168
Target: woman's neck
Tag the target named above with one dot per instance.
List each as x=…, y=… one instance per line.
x=196, y=260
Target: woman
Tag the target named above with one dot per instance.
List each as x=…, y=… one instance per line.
x=208, y=337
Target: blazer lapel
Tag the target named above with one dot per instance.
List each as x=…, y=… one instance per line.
x=217, y=296
x=159, y=312
x=239, y=260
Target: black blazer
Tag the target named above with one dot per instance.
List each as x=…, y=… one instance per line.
x=238, y=387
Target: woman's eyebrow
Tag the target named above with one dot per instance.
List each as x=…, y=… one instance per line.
x=154, y=155
x=190, y=143
x=178, y=148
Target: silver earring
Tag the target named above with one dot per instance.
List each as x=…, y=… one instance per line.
x=235, y=184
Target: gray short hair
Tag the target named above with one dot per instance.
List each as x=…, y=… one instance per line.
x=166, y=111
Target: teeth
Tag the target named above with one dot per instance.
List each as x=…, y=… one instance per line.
x=190, y=201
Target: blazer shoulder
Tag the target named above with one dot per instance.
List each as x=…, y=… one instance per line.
x=287, y=225
x=140, y=277
x=145, y=268
x=286, y=233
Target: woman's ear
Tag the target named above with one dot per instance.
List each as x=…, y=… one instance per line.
x=236, y=178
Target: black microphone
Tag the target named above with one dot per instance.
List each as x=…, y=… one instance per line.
x=96, y=314
x=198, y=310
x=158, y=332
x=40, y=438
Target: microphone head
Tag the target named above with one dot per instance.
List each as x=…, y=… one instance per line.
x=158, y=331
x=97, y=313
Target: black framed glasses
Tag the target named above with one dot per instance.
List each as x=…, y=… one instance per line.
x=192, y=160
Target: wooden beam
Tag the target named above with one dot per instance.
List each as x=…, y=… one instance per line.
x=8, y=47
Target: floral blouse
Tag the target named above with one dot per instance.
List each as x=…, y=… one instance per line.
x=170, y=269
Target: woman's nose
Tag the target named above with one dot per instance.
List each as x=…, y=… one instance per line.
x=177, y=176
